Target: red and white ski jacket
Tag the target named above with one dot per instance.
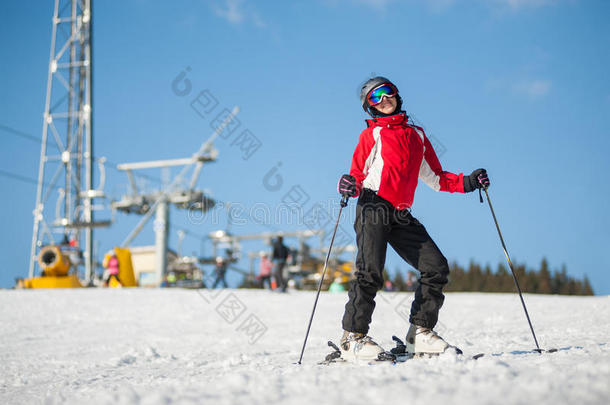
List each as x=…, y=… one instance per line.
x=392, y=154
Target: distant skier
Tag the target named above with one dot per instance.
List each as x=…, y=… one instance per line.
x=221, y=271
x=113, y=271
x=265, y=271
x=279, y=257
x=391, y=155
x=411, y=281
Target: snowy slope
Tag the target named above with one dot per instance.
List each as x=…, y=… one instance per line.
x=134, y=346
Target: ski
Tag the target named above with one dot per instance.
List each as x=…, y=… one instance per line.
x=335, y=357
x=536, y=351
x=400, y=349
x=399, y=354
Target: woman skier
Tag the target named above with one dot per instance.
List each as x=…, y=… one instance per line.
x=390, y=156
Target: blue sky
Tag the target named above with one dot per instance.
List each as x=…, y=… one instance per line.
x=519, y=87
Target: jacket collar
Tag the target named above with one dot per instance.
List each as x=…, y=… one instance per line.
x=392, y=120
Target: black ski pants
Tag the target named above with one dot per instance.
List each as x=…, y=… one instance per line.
x=377, y=224
x=278, y=273
x=220, y=278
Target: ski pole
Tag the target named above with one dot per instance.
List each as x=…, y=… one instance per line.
x=315, y=303
x=510, y=264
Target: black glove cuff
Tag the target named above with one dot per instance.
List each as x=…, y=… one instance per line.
x=468, y=186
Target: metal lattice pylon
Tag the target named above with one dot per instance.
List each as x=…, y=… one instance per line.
x=65, y=173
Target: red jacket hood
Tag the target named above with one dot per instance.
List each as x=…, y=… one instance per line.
x=397, y=119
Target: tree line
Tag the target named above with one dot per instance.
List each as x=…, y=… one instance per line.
x=484, y=279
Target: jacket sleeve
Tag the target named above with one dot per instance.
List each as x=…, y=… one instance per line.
x=361, y=160
x=433, y=174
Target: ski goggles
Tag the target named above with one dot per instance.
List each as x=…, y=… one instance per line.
x=376, y=95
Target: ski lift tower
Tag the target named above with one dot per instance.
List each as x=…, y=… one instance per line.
x=66, y=154
x=157, y=202
x=179, y=192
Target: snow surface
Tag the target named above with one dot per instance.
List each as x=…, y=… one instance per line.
x=132, y=346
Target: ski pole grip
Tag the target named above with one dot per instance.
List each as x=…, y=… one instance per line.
x=344, y=201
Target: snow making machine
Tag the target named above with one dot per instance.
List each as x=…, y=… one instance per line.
x=55, y=264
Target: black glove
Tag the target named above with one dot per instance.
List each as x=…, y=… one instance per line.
x=347, y=186
x=477, y=179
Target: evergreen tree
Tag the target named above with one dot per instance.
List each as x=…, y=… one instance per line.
x=572, y=287
x=531, y=281
x=541, y=281
x=544, y=278
x=524, y=281
x=399, y=281
x=586, y=288
x=489, y=280
x=456, y=278
x=562, y=281
x=505, y=279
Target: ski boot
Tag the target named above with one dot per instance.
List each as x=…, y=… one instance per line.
x=359, y=346
x=422, y=342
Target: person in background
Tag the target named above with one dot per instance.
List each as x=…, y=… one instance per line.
x=280, y=255
x=336, y=286
x=264, y=274
x=411, y=281
x=113, y=271
x=221, y=270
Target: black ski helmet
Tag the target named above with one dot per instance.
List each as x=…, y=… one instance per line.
x=370, y=85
